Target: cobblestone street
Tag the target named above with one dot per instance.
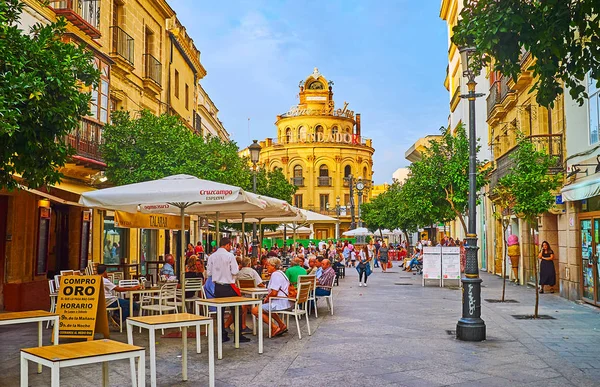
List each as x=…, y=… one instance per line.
x=393, y=332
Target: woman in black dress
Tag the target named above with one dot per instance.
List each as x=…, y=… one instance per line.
x=547, y=272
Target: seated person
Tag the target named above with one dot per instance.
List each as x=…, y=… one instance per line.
x=319, y=264
x=415, y=260
x=167, y=269
x=245, y=273
x=312, y=265
x=295, y=270
x=326, y=279
x=111, y=298
x=278, y=286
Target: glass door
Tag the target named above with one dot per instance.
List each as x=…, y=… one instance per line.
x=596, y=263
x=587, y=260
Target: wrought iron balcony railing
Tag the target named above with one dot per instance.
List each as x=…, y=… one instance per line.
x=493, y=98
x=86, y=139
x=84, y=14
x=297, y=181
x=324, y=181
x=122, y=44
x=152, y=69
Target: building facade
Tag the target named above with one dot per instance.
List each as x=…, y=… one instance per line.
x=321, y=150
x=147, y=61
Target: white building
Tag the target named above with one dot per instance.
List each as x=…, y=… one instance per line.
x=209, y=119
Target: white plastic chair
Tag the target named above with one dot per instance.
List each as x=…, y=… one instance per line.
x=311, y=297
x=191, y=285
x=167, y=301
x=57, y=282
x=53, y=297
x=328, y=298
x=299, y=308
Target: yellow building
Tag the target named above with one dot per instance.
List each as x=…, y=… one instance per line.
x=147, y=61
x=318, y=146
x=511, y=108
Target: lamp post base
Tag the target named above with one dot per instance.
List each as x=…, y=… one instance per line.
x=471, y=327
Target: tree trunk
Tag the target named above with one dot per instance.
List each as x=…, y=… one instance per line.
x=505, y=252
x=535, y=272
x=406, y=237
x=458, y=214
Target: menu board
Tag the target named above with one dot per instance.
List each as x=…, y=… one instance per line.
x=451, y=263
x=81, y=307
x=432, y=262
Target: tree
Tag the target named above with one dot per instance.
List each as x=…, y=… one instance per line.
x=43, y=83
x=274, y=184
x=532, y=188
x=562, y=35
x=151, y=147
x=442, y=175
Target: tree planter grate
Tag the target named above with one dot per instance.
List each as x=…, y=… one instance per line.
x=530, y=317
x=402, y=283
x=492, y=301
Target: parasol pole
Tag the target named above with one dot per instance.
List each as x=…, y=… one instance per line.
x=183, y=265
x=243, y=235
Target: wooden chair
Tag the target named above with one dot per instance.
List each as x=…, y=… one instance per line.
x=246, y=283
x=299, y=308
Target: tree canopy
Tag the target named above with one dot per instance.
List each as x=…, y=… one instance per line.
x=151, y=147
x=562, y=35
x=43, y=83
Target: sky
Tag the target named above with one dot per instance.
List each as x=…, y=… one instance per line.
x=387, y=59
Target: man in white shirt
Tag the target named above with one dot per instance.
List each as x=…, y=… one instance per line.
x=223, y=267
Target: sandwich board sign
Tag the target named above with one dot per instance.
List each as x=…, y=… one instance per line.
x=432, y=263
x=81, y=307
x=450, y=263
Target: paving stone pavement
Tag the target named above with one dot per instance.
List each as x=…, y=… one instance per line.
x=392, y=333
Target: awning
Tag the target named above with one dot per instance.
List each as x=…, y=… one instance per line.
x=585, y=188
x=49, y=197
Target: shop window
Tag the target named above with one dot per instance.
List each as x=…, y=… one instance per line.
x=43, y=238
x=148, y=244
x=115, y=242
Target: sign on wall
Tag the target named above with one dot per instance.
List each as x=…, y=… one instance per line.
x=149, y=221
x=81, y=307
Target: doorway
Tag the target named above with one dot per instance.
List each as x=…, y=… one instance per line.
x=590, y=262
x=60, y=213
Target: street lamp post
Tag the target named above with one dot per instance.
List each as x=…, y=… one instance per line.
x=350, y=180
x=360, y=186
x=471, y=327
x=254, y=157
x=337, y=213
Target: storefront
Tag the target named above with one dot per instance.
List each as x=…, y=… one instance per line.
x=589, y=223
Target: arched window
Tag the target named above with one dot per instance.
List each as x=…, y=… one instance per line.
x=298, y=179
x=319, y=133
x=323, y=171
x=334, y=131
x=288, y=135
x=297, y=171
x=302, y=134
x=347, y=171
x=364, y=175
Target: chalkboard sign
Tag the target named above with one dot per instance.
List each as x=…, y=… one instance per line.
x=42, y=242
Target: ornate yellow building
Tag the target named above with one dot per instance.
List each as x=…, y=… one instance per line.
x=318, y=147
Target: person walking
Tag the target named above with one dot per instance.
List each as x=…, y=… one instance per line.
x=383, y=256
x=547, y=272
x=223, y=267
x=363, y=268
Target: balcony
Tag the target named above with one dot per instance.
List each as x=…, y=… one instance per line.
x=552, y=144
x=85, y=140
x=83, y=14
x=493, y=98
x=324, y=181
x=297, y=181
x=152, y=74
x=122, y=48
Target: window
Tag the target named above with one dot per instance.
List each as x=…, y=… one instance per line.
x=99, y=102
x=302, y=134
x=187, y=97
x=298, y=200
x=323, y=171
x=346, y=199
x=176, y=84
x=43, y=240
x=324, y=201
x=594, y=101
x=297, y=171
x=288, y=135
x=364, y=175
x=347, y=171
x=115, y=240
x=319, y=133
x=334, y=131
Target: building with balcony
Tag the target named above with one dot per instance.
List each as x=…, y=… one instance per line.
x=147, y=61
x=318, y=146
x=512, y=109
x=207, y=121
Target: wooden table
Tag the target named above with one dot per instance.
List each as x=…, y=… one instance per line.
x=176, y=320
x=236, y=302
x=255, y=293
x=38, y=316
x=87, y=352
